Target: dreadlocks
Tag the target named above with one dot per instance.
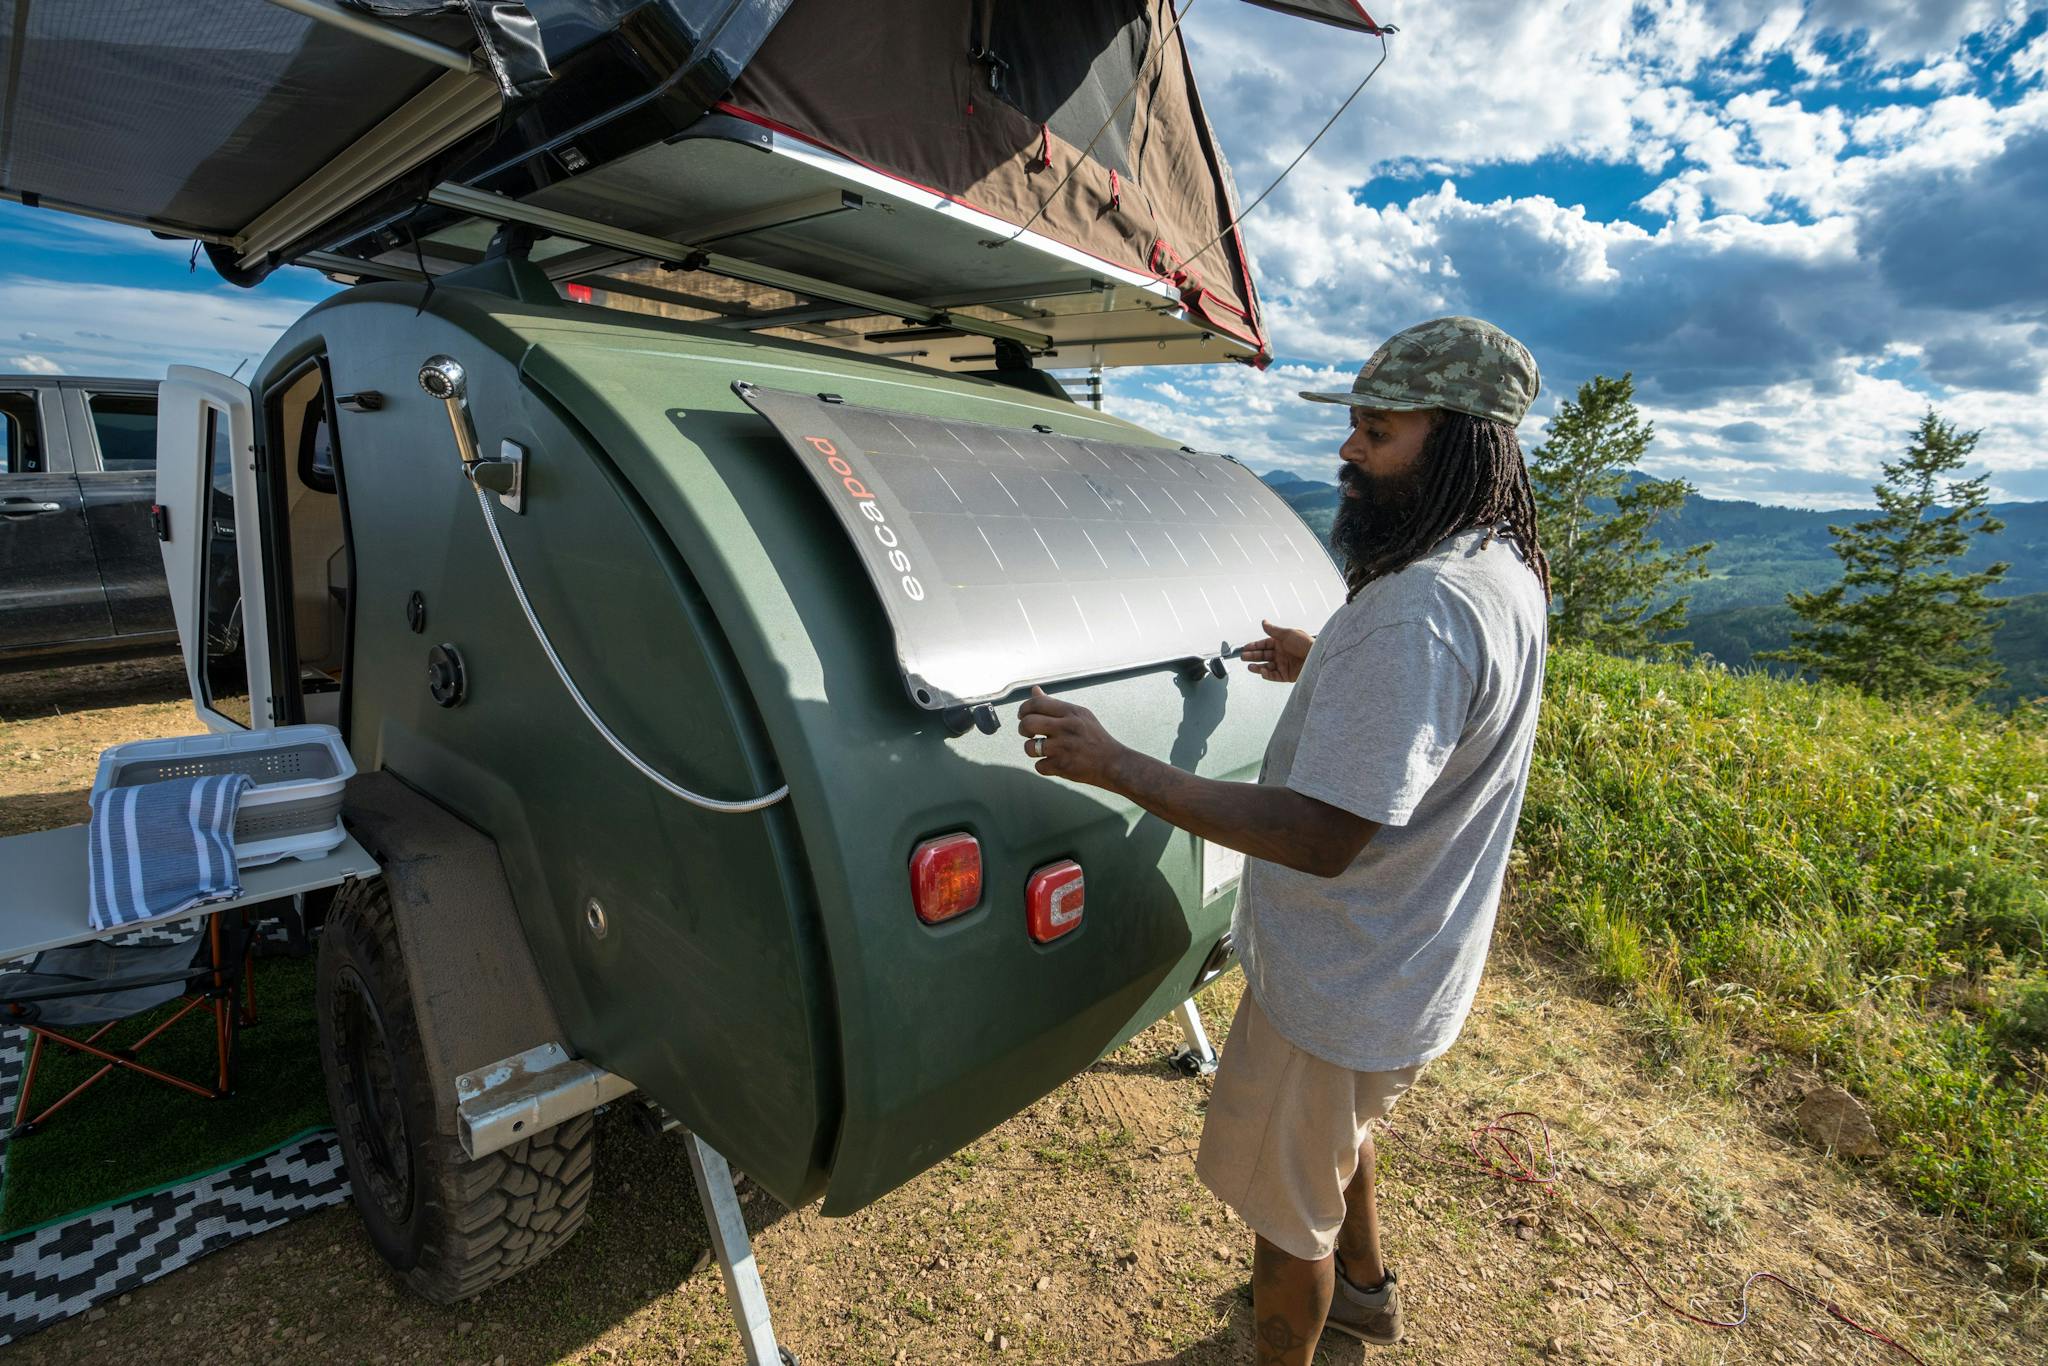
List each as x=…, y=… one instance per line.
x=1470, y=477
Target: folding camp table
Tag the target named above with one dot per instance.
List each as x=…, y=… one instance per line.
x=44, y=898
x=44, y=906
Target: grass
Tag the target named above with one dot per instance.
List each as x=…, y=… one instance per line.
x=129, y=1134
x=1862, y=885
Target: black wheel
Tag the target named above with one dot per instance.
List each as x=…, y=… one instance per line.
x=452, y=1225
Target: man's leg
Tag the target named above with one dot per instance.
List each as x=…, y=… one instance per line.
x=1366, y=1301
x=1358, y=1241
x=1290, y=1299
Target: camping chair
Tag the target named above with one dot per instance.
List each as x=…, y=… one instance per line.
x=96, y=985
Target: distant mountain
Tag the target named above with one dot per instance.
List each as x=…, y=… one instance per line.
x=1761, y=553
x=1735, y=635
x=1315, y=500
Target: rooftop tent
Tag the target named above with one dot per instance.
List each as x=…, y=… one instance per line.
x=1078, y=124
x=1031, y=181
x=262, y=126
x=1045, y=171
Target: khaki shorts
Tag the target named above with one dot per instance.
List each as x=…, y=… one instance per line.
x=1281, y=1141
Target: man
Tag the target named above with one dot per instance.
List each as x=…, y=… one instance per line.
x=1379, y=829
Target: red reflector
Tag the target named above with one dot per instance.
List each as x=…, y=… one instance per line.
x=945, y=877
x=578, y=293
x=1054, y=900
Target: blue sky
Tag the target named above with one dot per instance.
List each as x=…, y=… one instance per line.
x=1797, y=224
x=83, y=297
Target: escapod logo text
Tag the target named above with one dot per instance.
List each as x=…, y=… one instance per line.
x=871, y=509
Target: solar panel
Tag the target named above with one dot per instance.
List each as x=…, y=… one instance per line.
x=1011, y=556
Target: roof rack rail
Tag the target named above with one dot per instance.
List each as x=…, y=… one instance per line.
x=502, y=209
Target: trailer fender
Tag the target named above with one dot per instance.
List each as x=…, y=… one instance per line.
x=475, y=990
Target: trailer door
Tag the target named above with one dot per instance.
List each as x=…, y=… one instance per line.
x=212, y=547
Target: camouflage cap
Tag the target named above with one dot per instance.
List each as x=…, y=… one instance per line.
x=1462, y=364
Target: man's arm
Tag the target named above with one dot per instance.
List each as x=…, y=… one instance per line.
x=1271, y=823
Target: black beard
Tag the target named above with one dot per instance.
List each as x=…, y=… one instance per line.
x=1371, y=513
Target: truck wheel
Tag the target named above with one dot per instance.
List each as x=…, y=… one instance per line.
x=452, y=1225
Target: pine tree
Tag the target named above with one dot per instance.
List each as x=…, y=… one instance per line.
x=1607, y=574
x=1898, y=624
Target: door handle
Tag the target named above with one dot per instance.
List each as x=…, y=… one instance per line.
x=22, y=507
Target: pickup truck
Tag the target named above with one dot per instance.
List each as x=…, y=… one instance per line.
x=80, y=576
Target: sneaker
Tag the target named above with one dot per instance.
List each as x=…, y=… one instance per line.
x=1369, y=1315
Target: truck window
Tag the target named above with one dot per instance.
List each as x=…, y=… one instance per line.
x=125, y=425
x=21, y=435
x=225, y=665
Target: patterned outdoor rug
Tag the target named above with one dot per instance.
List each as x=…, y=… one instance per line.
x=64, y=1267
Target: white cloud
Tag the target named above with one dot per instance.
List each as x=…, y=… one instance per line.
x=128, y=330
x=1826, y=264
x=34, y=365
x=2031, y=61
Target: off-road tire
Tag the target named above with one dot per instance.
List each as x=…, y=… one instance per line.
x=451, y=1225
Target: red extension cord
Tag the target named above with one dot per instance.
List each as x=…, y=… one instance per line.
x=1521, y=1163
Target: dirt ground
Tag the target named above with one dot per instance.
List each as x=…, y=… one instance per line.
x=1077, y=1231
x=54, y=723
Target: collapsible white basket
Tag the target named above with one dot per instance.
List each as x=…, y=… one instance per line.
x=293, y=811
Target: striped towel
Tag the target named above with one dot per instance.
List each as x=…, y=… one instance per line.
x=161, y=848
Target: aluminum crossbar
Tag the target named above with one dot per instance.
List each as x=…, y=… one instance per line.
x=503, y=209
x=377, y=31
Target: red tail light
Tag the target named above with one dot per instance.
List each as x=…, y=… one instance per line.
x=1054, y=900
x=945, y=877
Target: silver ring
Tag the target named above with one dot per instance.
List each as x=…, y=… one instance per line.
x=1035, y=747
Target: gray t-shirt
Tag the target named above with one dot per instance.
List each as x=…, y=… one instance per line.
x=1416, y=709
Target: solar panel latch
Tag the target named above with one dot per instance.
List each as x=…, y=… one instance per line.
x=958, y=720
x=1197, y=667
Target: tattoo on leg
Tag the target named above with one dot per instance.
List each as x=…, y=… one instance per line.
x=1276, y=1339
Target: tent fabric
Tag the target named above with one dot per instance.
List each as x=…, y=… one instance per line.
x=1067, y=98
x=507, y=36
x=195, y=115
x=1010, y=137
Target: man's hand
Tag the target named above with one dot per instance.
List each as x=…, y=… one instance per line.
x=1279, y=654
x=1271, y=823
x=1068, y=741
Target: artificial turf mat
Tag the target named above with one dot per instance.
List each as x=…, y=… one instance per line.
x=129, y=1134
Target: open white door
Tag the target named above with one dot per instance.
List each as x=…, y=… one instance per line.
x=213, y=550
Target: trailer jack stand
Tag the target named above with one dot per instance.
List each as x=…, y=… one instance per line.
x=735, y=1253
x=1197, y=1059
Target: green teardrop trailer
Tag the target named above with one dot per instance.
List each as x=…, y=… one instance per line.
x=673, y=564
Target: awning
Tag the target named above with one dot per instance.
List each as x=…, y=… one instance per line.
x=262, y=125
x=195, y=117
